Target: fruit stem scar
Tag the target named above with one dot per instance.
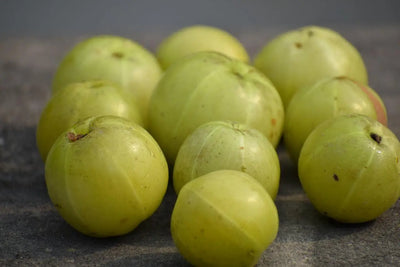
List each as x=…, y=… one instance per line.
x=118, y=55
x=72, y=137
x=298, y=45
x=335, y=177
x=377, y=138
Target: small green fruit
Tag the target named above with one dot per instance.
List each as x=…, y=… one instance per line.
x=106, y=175
x=328, y=98
x=223, y=218
x=79, y=101
x=198, y=38
x=301, y=57
x=349, y=168
x=208, y=86
x=220, y=145
x=112, y=58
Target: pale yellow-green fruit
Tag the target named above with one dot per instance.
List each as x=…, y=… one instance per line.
x=106, y=175
x=349, y=168
x=198, y=38
x=208, y=86
x=113, y=58
x=301, y=57
x=220, y=145
x=78, y=101
x=327, y=98
x=223, y=218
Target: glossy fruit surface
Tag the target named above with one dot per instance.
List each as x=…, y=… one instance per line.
x=328, y=98
x=349, y=168
x=224, y=218
x=220, y=145
x=301, y=57
x=106, y=175
x=198, y=38
x=209, y=86
x=113, y=58
x=79, y=101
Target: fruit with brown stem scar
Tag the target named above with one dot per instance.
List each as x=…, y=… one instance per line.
x=106, y=175
x=349, y=168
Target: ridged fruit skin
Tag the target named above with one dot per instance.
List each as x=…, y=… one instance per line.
x=327, y=98
x=224, y=218
x=114, y=58
x=208, y=86
x=106, y=175
x=349, y=168
x=301, y=57
x=196, y=38
x=220, y=145
x=78, y=101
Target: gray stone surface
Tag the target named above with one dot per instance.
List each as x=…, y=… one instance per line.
x=32, y=233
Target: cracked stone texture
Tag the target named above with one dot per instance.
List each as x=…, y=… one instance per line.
x=32, y=232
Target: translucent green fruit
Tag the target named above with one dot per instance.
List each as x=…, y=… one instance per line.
x=327, y=98
x=303, y=56
x=112, y=58
x=198, y=38
x=223, y=218
x=79, y=101
x=106, y=175
x=208, y=86
x=220, y=145
x=349, y=168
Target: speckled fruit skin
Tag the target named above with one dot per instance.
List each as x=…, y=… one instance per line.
x=198, y=38
x=78, y=101
x=349, y=168
x=220, y=145
x=327, y=98
x=303, y=56
x=106, y=175
x=208, y=86
x=113, y=58
x=223, y=218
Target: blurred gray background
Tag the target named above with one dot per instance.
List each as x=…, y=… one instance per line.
x=57, y=18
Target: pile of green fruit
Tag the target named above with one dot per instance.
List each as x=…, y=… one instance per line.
x=120, y=117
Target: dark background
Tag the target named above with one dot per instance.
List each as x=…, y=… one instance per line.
x=65, y=18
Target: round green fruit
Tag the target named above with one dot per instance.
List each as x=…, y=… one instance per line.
x=106, y=175
x=327, y=98
x=301, y=57
x=220, y=145
x=198, y=38
x=112, y=58
x=349, y=168
x=223, y=218
x=208, y=86
x=78, y=101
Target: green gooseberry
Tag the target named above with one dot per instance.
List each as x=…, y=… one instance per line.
x=301, y=57
x=327, y=98
x=349, y=168
x=78, y=101
x=219, y=145
x=198, y=38
x=106, y=175
x=223, y=218
x=208, y=86
x=120, y=60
